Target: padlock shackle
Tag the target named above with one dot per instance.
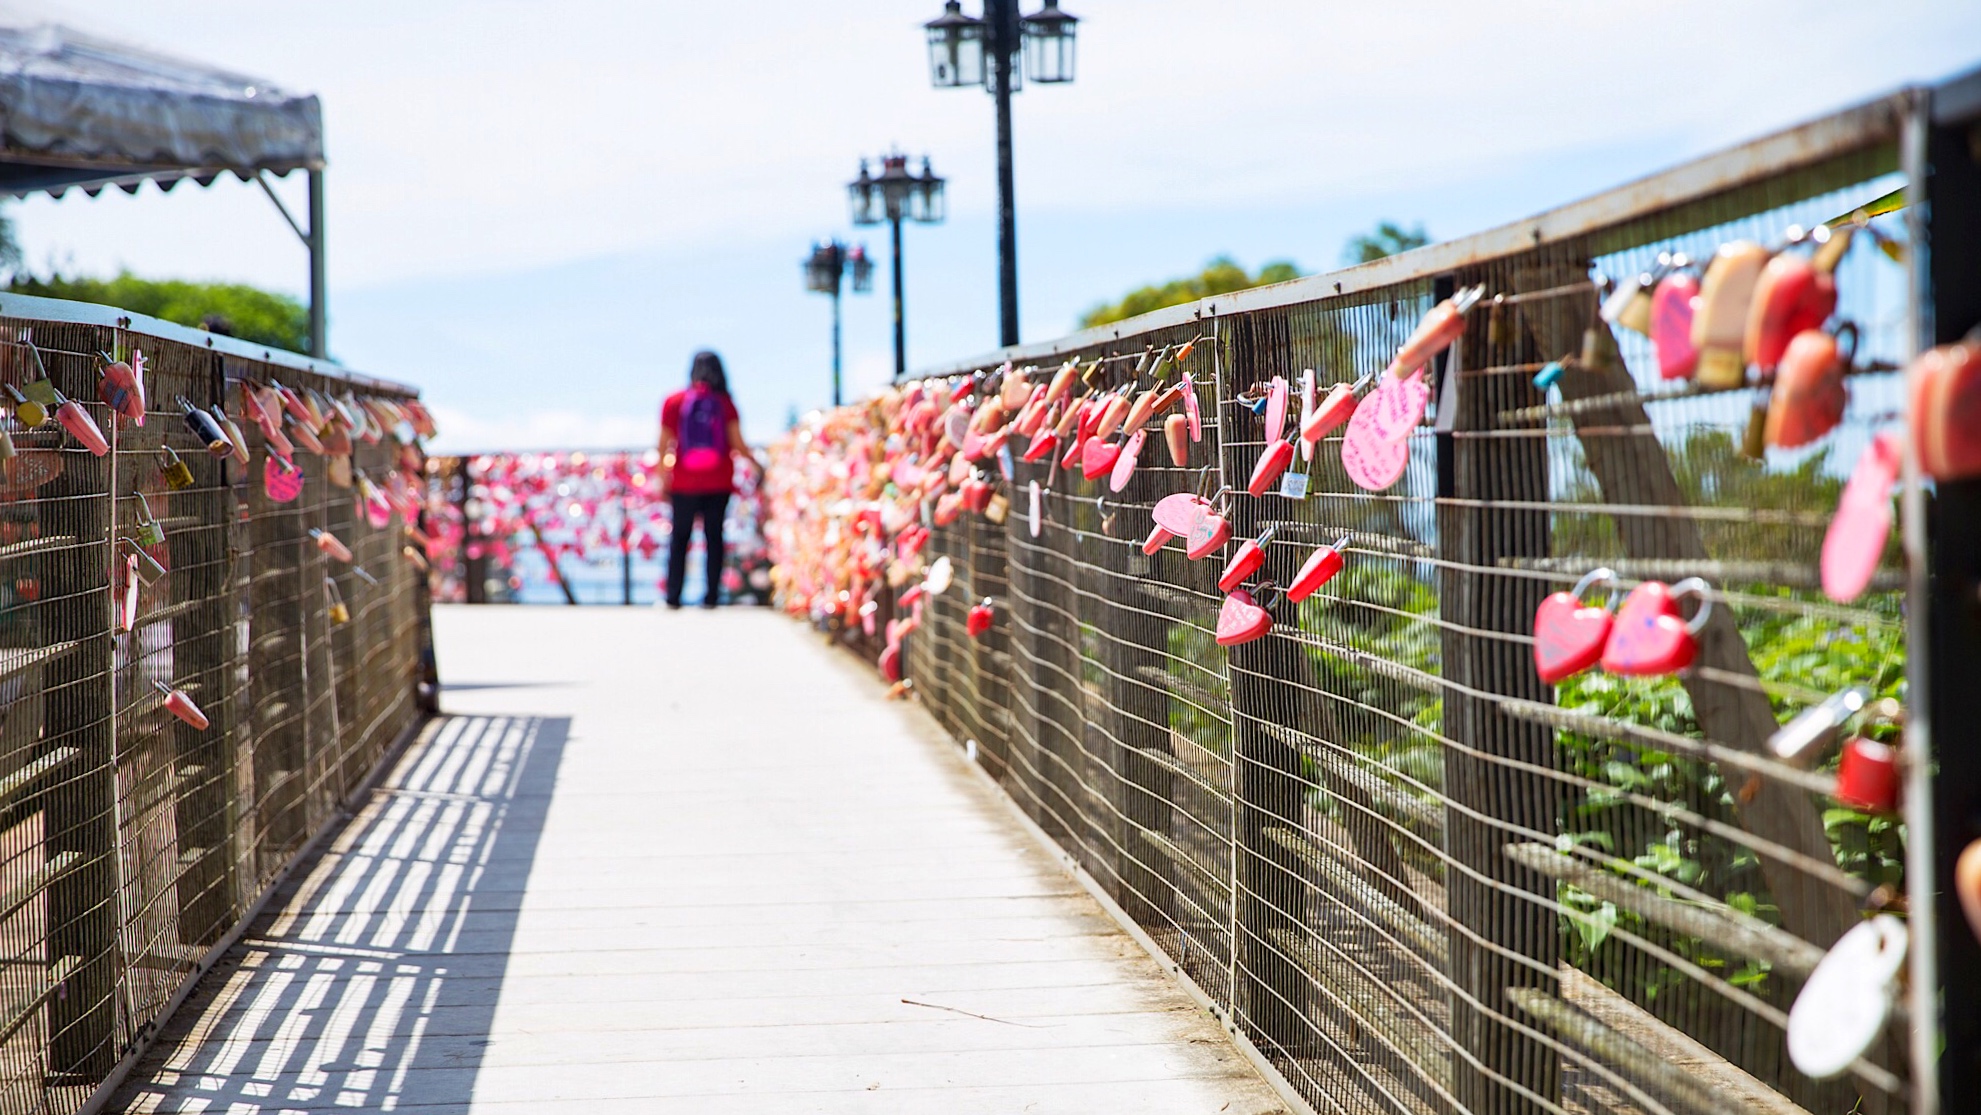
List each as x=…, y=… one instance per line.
x=1698, y=589
x=1602, y=574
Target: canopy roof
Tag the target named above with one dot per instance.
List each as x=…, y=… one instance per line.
x=80, y=111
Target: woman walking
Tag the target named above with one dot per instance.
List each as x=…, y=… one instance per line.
x=700, y=439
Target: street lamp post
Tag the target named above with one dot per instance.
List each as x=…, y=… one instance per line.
x=969, y=51
x=897, y=195
x=824, y=269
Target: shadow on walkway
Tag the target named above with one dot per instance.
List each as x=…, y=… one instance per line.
x=388, y=956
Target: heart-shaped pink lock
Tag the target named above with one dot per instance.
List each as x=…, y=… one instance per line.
x=1240, y=619
x=1320, y=567
x=1097, y=458
x=1650, y=638
x=1124, y=462
x=1569, y=637
x=1210, y=532
x=1175, y=516
x=1672, y=305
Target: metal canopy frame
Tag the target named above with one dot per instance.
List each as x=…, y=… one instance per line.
x=79, y=112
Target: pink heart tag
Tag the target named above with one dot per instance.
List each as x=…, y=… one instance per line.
x=282, y=482
x=1374, y=462
x=1241, y=620
x=1208, y=533
x=1397, y=406
x=1124, y=464
x=1856, y=538
x=1190, y=410
x=1276, y=408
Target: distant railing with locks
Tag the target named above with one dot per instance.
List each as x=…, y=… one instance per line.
x=1528, y=739
x=212, y=629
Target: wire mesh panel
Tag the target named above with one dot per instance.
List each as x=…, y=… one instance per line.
x=1411, y=872
x=147, y=586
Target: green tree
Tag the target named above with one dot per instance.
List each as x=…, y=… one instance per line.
x=1220, y=276
x=241, y=311
x=1388, y=239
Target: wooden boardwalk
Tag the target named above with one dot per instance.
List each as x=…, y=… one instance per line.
x=684, y=862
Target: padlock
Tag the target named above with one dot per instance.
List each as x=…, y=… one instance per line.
x=1208, y=533
x=1276, y=397
x=337, y=612
x=1868, y=776
x=1191, y=410
x=1332, y=411
x=1062, y=381
x=1097, y=458
x=1845, y=1004
x=304, y=435
x=281, y=480
x=1803, y=741
x=1719, y=326
x=180, y=705
x=235, y=437
x=1649, y=637
x=1241, y=619
x=1809, y=396
x=177, y=474
x=1319, y=568
x=28, y=412
x=1569, y=636
x=1549, y=375
x=1245, y=562
x=1176, y=434
x=1673, y=307
x=127, y=595
x=148, y=568
x=329, y=544
x=1943, y=388
x=209, y=433
x=337, y=470
x=1629, y=306
x=39, y=391
x=1855, y=540
x=80, y=425
x=979, y=619
x=1793, y=294
x=149, y=532
x=1754, y=437
x=121, y=385
x=1443, y=324
x=1125, y=461
x=1272, y=461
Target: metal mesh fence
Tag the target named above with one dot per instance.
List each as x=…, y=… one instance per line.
x=1414, y=876
x=132, y=842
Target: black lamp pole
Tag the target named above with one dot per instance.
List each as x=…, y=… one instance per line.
x=898, y=194
x=824, y=269
x=964, y=50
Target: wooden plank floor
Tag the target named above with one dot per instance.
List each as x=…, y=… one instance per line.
x=684, y=862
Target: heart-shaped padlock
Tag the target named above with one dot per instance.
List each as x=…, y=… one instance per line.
x=121, y=385
x=979, y=618
x=1856, y=537
x=1569, y=636
x=1251, y=554
x=1272, y=461
x=1649, y=637
x=1719, y=325
x=1174, y=517
x=1208, y=534
x=1125, y=461
x=80, y=425
x=180, y=705
x=1097, y=458
x=1276, y=394
x=1373, y=461
x=1809, y=396
x=177, y=474
x=1673, y=305
x=1319, y=568
x=1241, y=619
x=890, y=662
x=281, y=480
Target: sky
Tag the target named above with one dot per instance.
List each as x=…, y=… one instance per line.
x=538, y=211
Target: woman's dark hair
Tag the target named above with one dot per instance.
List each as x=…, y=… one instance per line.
x=706, y=369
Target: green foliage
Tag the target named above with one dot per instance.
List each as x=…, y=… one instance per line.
x=1219, y=276
x=246, y=312
x=1388, y=239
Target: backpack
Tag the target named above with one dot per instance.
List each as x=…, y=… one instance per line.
x=704, y=436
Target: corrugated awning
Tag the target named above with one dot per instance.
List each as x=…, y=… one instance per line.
x=77, y=111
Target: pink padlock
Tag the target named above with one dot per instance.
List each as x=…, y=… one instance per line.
x=1320, y=567
x=1245, y=562
x=180, y=705
x=331, y=547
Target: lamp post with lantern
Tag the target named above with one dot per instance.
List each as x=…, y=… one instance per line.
x=895, y=195
x=964, y=50
x=825, y=268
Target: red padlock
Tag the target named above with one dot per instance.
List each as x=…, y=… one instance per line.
x=1672, y=307
x=331, y=547
x=1569, y=637
x=1245, y=562
x=1332, y=411
x=1097, y=458
x=1043, y=443
x=1649, y=637
x=1795, y=293
x=121, y=385
x=1809, y=396
x=979, y=618
x=80, y=425
x=1321, y=566
x=1944, y=386
x=180, y=705
x=1241, y=619
x=1272, y=462
x=1868, y=776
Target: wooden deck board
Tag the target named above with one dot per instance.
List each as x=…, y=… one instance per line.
x=666, y=862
